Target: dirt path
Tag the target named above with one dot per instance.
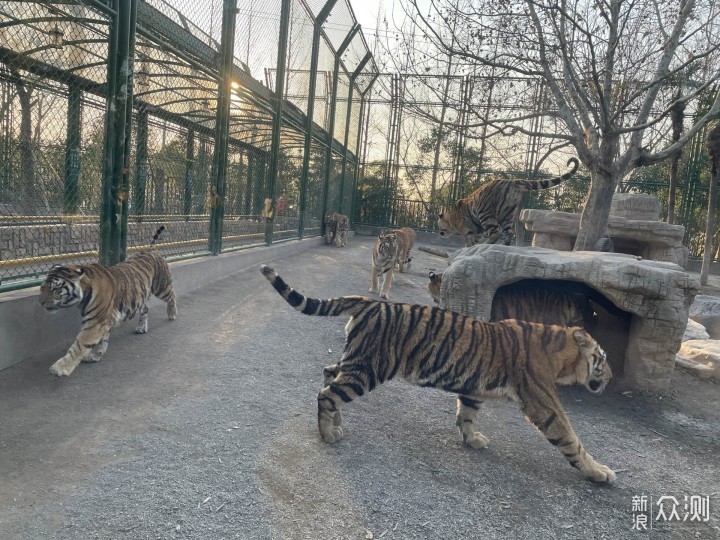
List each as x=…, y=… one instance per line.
x=206, y=428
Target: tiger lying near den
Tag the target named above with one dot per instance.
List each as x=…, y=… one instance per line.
x=432, y=347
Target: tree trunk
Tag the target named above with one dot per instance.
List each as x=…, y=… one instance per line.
x=595, y=215
x=709, y=228
x=677, y=114
x=27, y=156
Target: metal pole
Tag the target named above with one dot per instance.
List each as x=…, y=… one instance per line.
x=358, y=144
x=348, y=115
x=277, y=117
x=222, y=127
x=333, y=107
x=141, y=162
x=189, y=172
x=115, y=118
x=317, y=31
x=71, y=199
x=125, y=164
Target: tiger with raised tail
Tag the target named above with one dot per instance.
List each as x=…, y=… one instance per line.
x=432, y=347
x=106, y=296
x=489, y=211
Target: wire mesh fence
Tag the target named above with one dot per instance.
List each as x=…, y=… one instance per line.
x=224, y=122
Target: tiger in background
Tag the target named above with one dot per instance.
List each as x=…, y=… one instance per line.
x=433, y=347
x=530, y=302
x=490, y=210
x=106, y=296
x=336, y=228
x=384, y=259
x=406, y=240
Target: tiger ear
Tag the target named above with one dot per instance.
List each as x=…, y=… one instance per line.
x=431, y=275
x=583, y=339
x=441, y=216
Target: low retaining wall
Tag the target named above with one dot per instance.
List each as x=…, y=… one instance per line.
x=27, y=331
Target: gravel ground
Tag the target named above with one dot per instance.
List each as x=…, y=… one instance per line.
x=206, y=428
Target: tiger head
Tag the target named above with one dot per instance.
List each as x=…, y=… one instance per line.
x=387, y=244
x=343, y=223
x=61, y=288
x=452, y=222
x=330, y=220
x=434, y=286
x=590, y=368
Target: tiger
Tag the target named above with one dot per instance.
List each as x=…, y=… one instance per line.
x=406, y=238
x=336, y=228
x=384, y=259
x=430, y=346
x=529, y=302
x=106, y=296
x=490, y=210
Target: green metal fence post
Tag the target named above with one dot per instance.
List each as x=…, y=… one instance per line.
x=222, y=127
x=348, y=115
x=141, y=162
x=189, y=173
x=317, y=34
x=333, y=108
x=358, y=142
x=115, y=120
x=125, y=163
x=71, y=198
x=277, y=117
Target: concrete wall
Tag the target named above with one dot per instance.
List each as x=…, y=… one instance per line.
x=27, y=331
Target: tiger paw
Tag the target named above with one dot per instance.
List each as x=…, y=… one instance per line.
x=372, y=290
x=331, y=434
x=601, y=473
x=142, y=329
x=477, y=440
x=384, y=295
x=61, y=369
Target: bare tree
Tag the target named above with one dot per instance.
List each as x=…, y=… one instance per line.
x=609, y=66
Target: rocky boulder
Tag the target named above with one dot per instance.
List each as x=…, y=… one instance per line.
x=657, y=296
x=706, y=310
x=635, y=206
x=701, y=356
x=694, y=330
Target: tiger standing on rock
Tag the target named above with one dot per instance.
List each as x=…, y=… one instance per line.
x=490, y=210
x=336, y=228
x=429, y=346
x=106, y=296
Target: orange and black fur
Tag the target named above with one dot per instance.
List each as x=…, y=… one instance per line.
x=107, y=296
x=490, y=210
x=432, y=347
x=336, y=229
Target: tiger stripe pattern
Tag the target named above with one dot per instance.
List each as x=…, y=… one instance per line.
x=490, y=210
x=432, y=347
x=106, y=296
x=406, y=240
x=529, y=302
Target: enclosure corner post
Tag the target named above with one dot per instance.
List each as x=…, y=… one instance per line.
x=71, y=198
x=222, y=127
x=189, y=173
x=277, y=116
x=307, y=148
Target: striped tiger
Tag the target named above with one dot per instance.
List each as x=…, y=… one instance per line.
x=549, y=304
x=106, y=296
x=432, y=347
x=489, y=211
x=384, y=259
x=336, y=228
x=406, y=239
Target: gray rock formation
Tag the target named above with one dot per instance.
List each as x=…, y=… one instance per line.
x=694, y=330
x=635, y=206
x=657, y=296
x=701, y=356
x=706, y=310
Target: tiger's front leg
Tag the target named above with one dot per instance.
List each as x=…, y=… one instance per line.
x=374, y=275
x=99, y=350
x=558, y=431
x=342, y=390
x=387, y=283
x=84, y=343
x=467, y=411
x=329, y=374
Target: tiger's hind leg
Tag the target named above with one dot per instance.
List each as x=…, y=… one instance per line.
x=142, y=326
x=467, y=411
x=342, y=390
x=329, y=374
x=558, y=431
x=167, y=295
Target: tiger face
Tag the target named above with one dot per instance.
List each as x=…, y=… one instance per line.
x=387, y=244
x=452, y=222
x=61, y=288
x=593, y=370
